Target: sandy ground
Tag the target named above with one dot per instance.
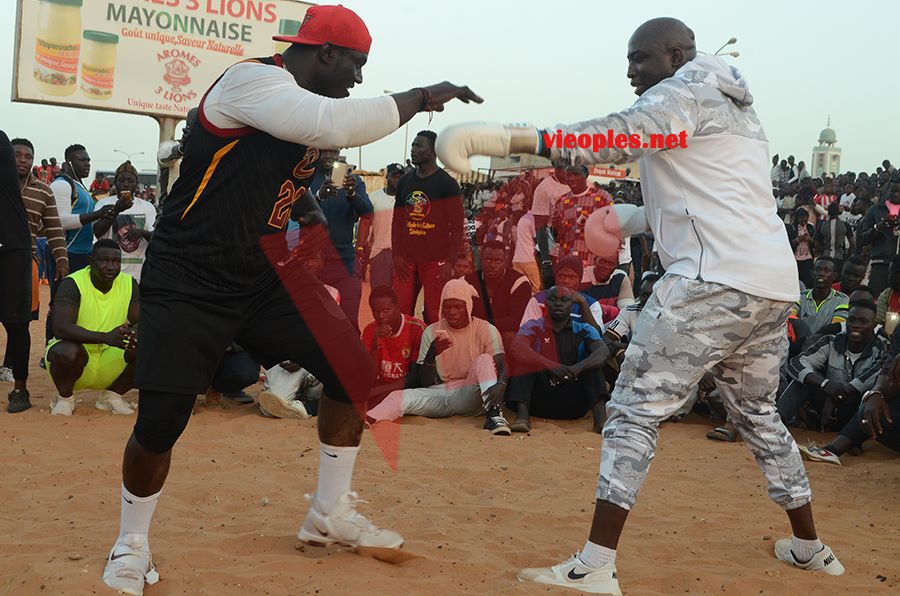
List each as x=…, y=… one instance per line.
x=474, y=508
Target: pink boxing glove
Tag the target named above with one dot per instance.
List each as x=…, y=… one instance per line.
x=608, y=226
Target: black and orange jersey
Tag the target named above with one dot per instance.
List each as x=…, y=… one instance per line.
x=235, y=188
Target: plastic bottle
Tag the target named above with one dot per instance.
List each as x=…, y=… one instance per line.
x=98, y=64
x=57, y=46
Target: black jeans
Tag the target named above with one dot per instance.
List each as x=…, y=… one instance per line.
x=890, y=438
x=797, y=395
x=567, y=401
x=236, y=370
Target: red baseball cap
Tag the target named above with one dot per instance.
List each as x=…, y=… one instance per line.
x=331, y=24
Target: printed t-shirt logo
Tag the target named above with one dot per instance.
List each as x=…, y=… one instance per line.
x=418, y=206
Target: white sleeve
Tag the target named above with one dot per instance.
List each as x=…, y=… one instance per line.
x=597, y=311
x=268, y=98
x=667, y=108
x=62, y=192
x=626, y=294
x=150, y=210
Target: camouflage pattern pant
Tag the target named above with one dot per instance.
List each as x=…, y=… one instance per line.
x=687, y=328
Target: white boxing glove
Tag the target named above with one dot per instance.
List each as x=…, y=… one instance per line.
x=608, y=226
x=456, y=143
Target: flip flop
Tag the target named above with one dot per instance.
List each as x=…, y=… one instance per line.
x=722, y=433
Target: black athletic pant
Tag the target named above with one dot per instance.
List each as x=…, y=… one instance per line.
x=567, y=401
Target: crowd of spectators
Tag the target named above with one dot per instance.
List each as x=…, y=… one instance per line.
x=515, y=313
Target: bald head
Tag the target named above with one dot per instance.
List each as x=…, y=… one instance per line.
x=656, y=50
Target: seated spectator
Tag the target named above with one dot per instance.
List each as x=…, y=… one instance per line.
x=461, y=367
x=874, y=420
x=823, y=305
x=569, y=272
x=620, y=330
x=290, y=392
x=393, y=341
x=889, y=300
x=95, y=334
x=609, y=286
x=566, y=357
x=236, y=371
x=508, y=292
x=834, y=372
x=852, y=275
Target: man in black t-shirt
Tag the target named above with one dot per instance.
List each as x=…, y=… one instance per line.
x=427, y=229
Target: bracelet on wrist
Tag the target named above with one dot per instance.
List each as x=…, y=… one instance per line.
x=823, y=383
x=869, y=394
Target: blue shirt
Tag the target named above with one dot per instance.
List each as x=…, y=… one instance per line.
x=80, y=241
x=342, y=215
x=568, y=346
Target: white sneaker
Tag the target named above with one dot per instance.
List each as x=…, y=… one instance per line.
x=344, y=525
x=110, y=401
x=6, y=374
x=130, y=565
x=815, y=453
x=824, y=560
x=574, y=574
x=278, y=407
x=62, y=406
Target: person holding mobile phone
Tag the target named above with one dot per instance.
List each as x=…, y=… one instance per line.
x=343, y=199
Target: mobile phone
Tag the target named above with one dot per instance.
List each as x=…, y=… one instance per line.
x=339, y=172
x=441, y=334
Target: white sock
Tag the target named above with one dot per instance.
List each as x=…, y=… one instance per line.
x=804, y=550
x=137, y=512
x=594, y=555
x=335, y=474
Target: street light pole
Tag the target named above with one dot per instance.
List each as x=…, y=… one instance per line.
x=127, y=154
x=731, y=41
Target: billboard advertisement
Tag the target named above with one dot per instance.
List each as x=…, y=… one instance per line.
x=151, y=57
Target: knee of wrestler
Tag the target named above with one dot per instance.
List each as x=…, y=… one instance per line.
x=157, y=429
x=68, y=355
x=631, y=420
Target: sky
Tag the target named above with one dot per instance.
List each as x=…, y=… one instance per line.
x=564, y=61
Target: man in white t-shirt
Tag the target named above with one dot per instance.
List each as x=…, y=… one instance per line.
x=544, y=203
x=381, y=259
x=523, y=258
x=133, y=224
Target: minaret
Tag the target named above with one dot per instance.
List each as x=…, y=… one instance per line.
x=826, y=157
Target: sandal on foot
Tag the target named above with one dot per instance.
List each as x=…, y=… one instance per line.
x=722, y=433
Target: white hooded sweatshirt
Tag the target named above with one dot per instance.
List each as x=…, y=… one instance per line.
x=710, y=204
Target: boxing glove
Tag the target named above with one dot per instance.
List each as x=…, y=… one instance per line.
x=456, y=143
x=608, y=226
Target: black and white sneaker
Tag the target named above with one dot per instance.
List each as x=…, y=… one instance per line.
x=498, y=425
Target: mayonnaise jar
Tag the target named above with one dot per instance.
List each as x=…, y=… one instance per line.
x=57, y=46
x=98, y=64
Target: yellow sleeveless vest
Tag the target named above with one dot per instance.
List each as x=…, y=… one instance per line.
x=98, y=311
